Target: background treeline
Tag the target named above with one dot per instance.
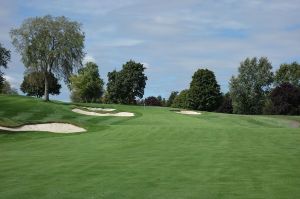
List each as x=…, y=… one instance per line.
x=52, y=49
x=255, y=90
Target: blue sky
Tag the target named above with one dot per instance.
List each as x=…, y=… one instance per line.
x=172, y=38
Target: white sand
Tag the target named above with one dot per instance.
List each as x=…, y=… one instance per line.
x=120, y=114
x=189, y=112
x=100, y=109
x=49, y=127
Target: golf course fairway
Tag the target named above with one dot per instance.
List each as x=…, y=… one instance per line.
x=158, y=153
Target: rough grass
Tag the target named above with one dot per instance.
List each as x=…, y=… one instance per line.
x=156, y=154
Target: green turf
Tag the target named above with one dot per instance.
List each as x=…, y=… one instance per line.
x=156, y=154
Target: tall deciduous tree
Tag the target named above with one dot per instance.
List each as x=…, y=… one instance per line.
x=204, y=93
x=87, y=86
x=33, y=84
x=50, y=45
x=4, y=56
x=125, y=85
x=248, y=90
x=4, y=59
x=288, y=73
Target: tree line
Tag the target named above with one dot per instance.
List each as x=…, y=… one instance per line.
x=51, y=49
x=255, y=90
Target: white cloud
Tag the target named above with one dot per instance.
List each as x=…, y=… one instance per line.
x=121, y=42
x=88, y=58
x=146, y=65
x=13, y=81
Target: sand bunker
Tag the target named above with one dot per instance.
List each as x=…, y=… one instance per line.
x=49, y=127
x=189, y=112
x=100, y=109
x=120, y=114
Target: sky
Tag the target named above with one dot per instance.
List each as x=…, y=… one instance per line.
x=172, y=38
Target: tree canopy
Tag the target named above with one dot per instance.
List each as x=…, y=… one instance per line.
x=171, y=98
x=288, y=73
x=284, y=99
x=4, y=56
x=50, y=45
x=87, y=86
x=181, y=100
x=4, y=59
x=126, y=85
x=153, y=101
x=226, y=105
x=33, y=84
x=248, y=90
x=204, y=93
x=8, y=89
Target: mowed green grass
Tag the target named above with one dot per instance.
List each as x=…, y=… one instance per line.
x=156, y=154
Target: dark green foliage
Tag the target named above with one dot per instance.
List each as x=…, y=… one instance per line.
x=181, y=100
x=50, y=45
x=4, y=59
x=204, y=93
x=288, y=73
x=226, y=105
x=2, y=79
x=114, y=85
x=33, y=84
x=284, y=99
x=4, y=56
x=87, y=86
x=7, y=89
x=126, y=85
x=153, y=101
x=249, y=89
x=171, y=98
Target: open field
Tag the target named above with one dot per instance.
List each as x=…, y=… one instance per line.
x=155, y=154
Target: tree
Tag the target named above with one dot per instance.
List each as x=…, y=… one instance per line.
x=171, y=98
x=226, y=105
x=4, y=56
x=284, y=99
x=126, y=85
x=153, y=101
x=2, y=80
x=249, y=89
x=204, y=92
x=4, y=59
x=114, y=87
x=288, y=73
x=181, y=100
x=8, y=89
x=33, y=84
x=87, y=86
x=50, y=45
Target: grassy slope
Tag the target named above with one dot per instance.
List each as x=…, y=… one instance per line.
x=157, y=154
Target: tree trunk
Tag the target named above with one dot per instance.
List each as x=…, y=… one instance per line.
x=46, y=94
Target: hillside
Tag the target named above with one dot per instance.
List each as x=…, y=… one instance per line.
x=155, y=154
